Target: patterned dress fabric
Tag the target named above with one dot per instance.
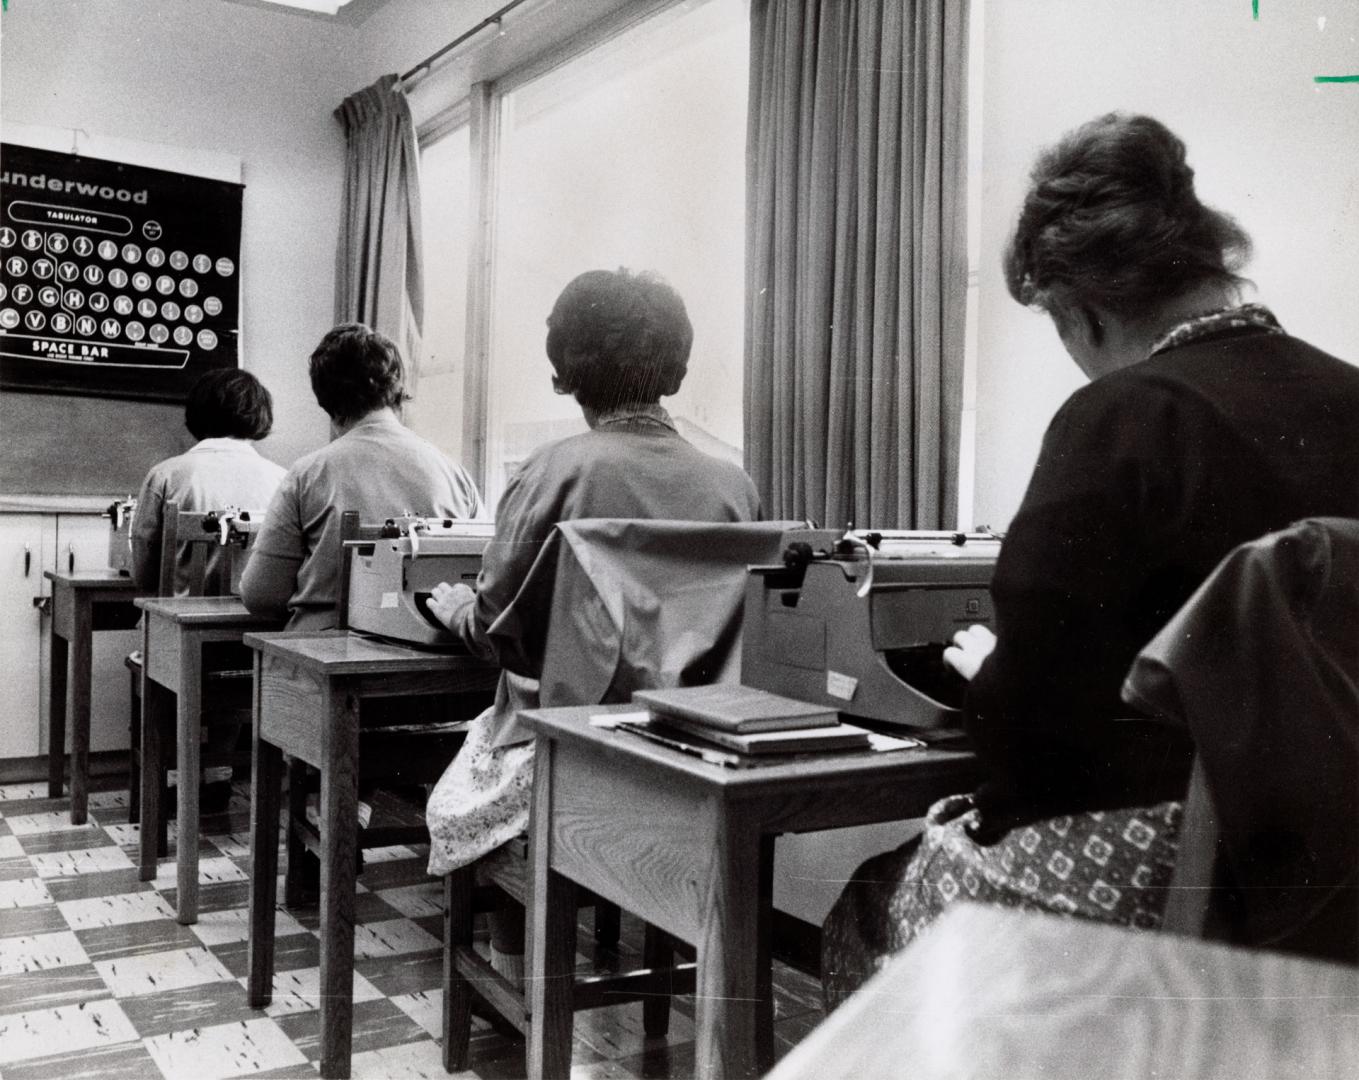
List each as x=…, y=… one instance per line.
x=1110, y=865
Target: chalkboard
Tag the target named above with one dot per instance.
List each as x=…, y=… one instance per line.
x=118, y=281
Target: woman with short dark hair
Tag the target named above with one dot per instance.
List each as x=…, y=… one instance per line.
x=618, y=342
x=226, y=411
x=373, y=465
x=1204, y=426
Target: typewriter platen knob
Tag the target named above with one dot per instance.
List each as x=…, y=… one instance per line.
x=797, y=555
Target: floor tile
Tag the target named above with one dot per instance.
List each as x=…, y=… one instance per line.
x=10, y=848
x=224, y=1050
x=391, y=938
x=187, y=1007
x=136, y=939
x=123, y=1061
x=426, y=898
x=233, y=924
x=117, y=910
x=25, y=892
x=51, y=821
x=425, y=1007
x=13, y=792
x=155, y=972
x=299, y=990
x=410, y=1061
x=31, y=990
x=102, y=883
x=407, y=974
x=34, y=919
x=40, y=952
x=211, y=871
x=74, y=1027
x=60, y=864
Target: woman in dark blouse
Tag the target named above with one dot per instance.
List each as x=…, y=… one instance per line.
x=1204, y=426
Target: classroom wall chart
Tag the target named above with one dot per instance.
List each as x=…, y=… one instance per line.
x=115, y=280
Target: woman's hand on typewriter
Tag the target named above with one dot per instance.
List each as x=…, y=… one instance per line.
x=970, y=647
x=445, y=601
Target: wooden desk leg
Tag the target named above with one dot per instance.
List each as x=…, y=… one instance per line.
x=551, y=938
x=188, y=722
x=729, y=956
x=764, y=961
x=59, y=654
x=266, y=774
x=457, y=1012
x=155, y=707
x=82, y=663
x=339, y=837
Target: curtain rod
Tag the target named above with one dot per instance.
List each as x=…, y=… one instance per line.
x=424, y=66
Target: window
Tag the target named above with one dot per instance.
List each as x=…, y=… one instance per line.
x=632, y=154
x=437, y=409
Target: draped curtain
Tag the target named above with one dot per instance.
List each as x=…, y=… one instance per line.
x=378, y=265
x=856, y=259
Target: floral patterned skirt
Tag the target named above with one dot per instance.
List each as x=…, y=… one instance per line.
x=482, y=799
x=1112, y=866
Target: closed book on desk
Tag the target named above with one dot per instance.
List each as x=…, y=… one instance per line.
x=800, y=741
x=737, y=709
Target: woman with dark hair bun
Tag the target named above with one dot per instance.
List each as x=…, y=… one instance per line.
x=618, y=342
x=1204, y=426
x=226, y=411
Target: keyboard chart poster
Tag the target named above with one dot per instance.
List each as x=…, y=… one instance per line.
x=116, y=281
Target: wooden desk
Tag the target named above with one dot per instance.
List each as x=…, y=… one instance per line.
x=308, y=690
x=174, y=631
x=688, y=846
x=82, y=603
x=991, y=992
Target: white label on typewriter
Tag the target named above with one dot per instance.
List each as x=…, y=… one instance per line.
x=841, y=685
x=391, y=599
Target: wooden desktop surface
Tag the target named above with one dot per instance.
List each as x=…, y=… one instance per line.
x=991, y=993
x=345, y=652
x=226, y=611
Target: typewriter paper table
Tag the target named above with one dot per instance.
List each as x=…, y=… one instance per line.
x=688, y=847
x=308, y=690
x=82, y=603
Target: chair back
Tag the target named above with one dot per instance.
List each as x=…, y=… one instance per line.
x=351, y=529
x=215, y=542
x=614, y=605
x=1262, y=666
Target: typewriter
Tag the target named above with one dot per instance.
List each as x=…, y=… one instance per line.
x=858, y=621
x=120, y=515
x=392, y=577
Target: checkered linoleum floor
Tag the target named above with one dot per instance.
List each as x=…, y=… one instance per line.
x=97, y=979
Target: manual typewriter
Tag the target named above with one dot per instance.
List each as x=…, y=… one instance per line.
x=858, y=621
x=120, y=514
x=391, y=577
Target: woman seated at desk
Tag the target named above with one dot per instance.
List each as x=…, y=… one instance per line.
x=618, y=342
x=373, y=465
x=1204, y=426
x=227, y=411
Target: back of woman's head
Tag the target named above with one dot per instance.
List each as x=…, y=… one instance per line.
x=617, y=339
x=1112, y=222
x=355, y=371
x=228, y=403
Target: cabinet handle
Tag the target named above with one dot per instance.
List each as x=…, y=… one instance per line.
x=28, y=559
x=70, y=558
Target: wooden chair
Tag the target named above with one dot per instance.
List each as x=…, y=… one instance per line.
x=1259, y=666
x=227, y=678
x=653, y=572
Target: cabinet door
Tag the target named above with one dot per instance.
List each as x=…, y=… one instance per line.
x=22, y=546
x=82, y=543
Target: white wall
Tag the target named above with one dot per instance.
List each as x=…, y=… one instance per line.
x=209, y=78
x=1268, y=145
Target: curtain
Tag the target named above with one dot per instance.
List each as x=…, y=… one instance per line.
x=856, y=259
x=378, y=265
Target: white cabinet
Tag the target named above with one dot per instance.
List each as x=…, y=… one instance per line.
x=29, y=544
x=27, y=548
